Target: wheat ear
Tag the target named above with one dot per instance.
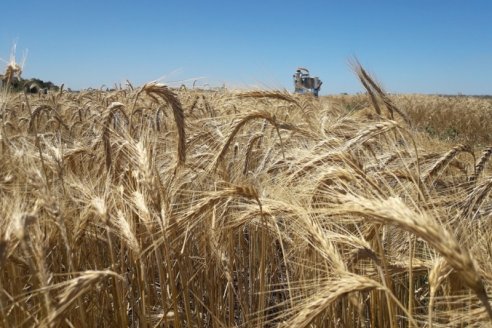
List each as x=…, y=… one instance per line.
x=155, y=90
x=394, y=211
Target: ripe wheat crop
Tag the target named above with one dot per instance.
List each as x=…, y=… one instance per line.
x=154, y=207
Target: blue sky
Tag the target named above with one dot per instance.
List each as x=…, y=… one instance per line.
x=410, y=46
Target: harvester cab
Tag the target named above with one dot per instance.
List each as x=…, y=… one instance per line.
x=305, y=84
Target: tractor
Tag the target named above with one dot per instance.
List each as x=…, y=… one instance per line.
x=305, y=84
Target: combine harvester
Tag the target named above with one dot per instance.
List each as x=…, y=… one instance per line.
x=305, y=84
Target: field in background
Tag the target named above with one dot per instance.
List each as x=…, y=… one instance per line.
x=150, y=207
x=448, y=118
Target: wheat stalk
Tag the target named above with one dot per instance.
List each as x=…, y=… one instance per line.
x=393, y=211
x=327, y=295
x=442, y=162
x=275, y=95
x=245, y=119
x=159, y=90
x=482, y=161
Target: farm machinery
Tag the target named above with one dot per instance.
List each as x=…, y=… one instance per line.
x=305, y=84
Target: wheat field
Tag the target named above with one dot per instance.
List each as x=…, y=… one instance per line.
x=158, y=207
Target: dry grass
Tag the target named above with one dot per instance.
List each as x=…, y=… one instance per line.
x=150, y=207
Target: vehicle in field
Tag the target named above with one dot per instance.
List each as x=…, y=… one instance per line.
x=305, y=84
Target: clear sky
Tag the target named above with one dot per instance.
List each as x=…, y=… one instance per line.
x=410, y=46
